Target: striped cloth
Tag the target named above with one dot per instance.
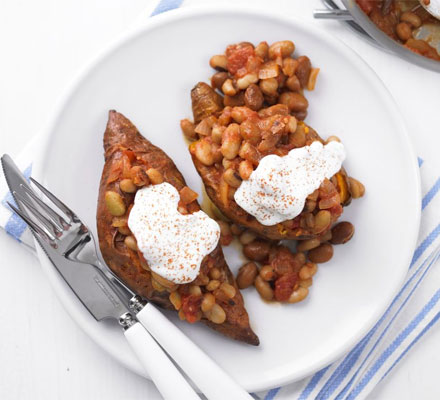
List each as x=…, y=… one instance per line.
x=412, y=313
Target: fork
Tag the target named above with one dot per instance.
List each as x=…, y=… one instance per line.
x=70, y=238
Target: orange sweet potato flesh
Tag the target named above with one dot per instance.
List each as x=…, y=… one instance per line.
x=121, y=137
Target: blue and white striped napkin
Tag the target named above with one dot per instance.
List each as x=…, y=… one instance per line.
x=412, y=313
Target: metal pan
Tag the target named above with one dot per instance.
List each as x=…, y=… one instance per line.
x=358, y=21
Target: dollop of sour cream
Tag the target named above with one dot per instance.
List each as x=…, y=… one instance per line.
x=277, y=190
x=173, y=244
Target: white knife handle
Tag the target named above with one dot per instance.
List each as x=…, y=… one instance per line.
x=214, y=383
x=168, y=380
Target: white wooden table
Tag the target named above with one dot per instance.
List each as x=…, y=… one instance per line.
x=43, y=353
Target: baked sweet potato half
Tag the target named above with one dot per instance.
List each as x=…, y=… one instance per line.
x=231, y=142
x=132, y=162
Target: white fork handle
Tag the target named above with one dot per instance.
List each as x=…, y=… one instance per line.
x=214, y=383
x=168, y=380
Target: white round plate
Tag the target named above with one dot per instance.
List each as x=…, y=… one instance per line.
x=148, y=75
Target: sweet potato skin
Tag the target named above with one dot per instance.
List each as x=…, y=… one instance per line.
x=122, y=135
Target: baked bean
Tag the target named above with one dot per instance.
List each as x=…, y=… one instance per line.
x=249, y=152
x=195, y=290
x=310, y=205
x=322, y=221
x=403, y=31
x=231, y=141
x=216, y=152
x=228, y=289
x=269, y=70
x=313, y=196
x=175, y=300
x=203, y=152
x=207, y=302
x=298, y=138
x=311, y=83
x=306, y=245
x=303, y=70
x=333, y=139
x=217, y=314
x=247, y=80
x=157, y=286
x=155, y=176
x=214, y=273
x=257, y=250
x=300, y=258
x=213, y=285
x=309, y=220
x=263, y=288
x=283, y=48
x=250, y=131
x=228, y=88
x=307, y=271
x=201, y=280
x=124, y=230
x=127, y=186
x=247, y=237
x=289, y=66
x=277, y=109
x=236, y=229
x=188, y=129
x=253, y=98
x=267, y=272
x=321, y=254
x=292, y=124
x=114, y=203
x=326, y=237
x=245, y=169
x=357, y=189
x=118, y=222
x=231, y=178
x=295, y=101
x=130, y=242
x=246, y=275
x=342, y=232
x=218, y=79
x=240, y=114
x=293, y=83
x=234, y=101
x=219, y=62
x=300, y=115
x=269, y=86
x=164, y=282
x=305, y=283
x=419, y=45
x=262, y=50
x=411, y=18
x=298, y=295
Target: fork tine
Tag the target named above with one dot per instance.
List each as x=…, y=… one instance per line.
x=42, y=219
x=57, y=219
x=66, y=210
x=34, y=227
